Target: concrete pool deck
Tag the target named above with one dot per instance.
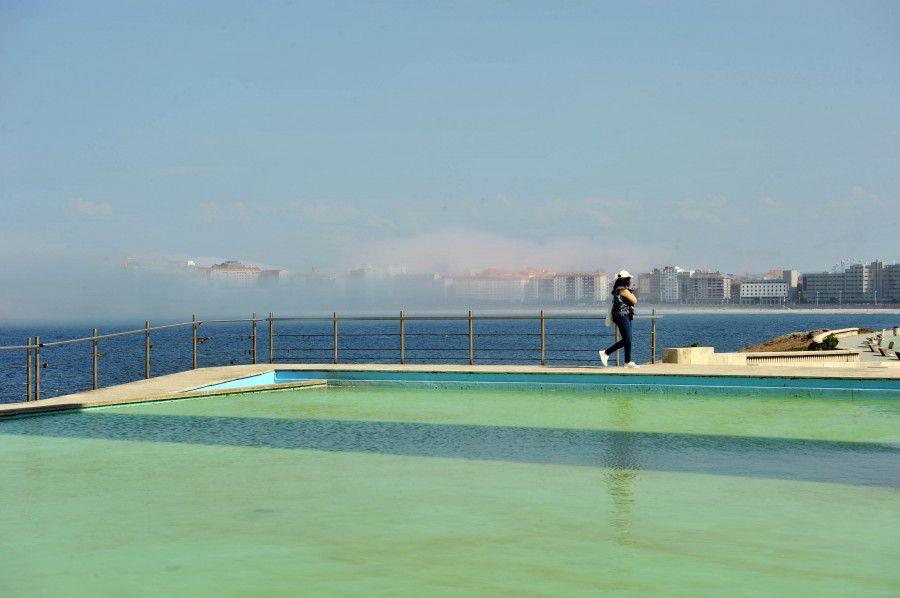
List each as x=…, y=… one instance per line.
x=183, y=385
x=865, y=355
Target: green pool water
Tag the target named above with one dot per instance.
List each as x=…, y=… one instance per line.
x=394, y=492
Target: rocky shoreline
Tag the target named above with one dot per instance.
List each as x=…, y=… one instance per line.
x=786, y=342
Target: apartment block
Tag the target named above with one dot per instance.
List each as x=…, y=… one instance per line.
x=581, y=287
x=764, y=291
x=709, y=287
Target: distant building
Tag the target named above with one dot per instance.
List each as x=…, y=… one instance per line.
x=864, y=283
x=643, y=285
x=491, y=286
x=581, y=287
x=273, y=277
x=419, y=288
x=709, y=287
x=890, y=284
x=540, y=287
x=232, y=273
x=669, y=284
x=160, y=264
x=792, y=278
x=767, y=292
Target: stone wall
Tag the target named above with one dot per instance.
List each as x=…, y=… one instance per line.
x=708, y=356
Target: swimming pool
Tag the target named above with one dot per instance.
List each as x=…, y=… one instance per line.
x=350, y=491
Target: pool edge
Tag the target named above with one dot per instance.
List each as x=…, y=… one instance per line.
x=184, y=385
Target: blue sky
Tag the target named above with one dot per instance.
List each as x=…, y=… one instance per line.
x=449, y=135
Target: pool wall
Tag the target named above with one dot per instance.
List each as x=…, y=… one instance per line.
x=751, y=385
x=869, y=382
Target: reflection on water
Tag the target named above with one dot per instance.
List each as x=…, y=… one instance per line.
x=627, y=453
x=621, y=482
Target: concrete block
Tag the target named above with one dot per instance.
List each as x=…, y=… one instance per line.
x=694, y=355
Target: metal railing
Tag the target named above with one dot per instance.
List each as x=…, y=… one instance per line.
x=122, y=357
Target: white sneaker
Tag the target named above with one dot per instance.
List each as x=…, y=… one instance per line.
x=632, y=364
x=604, y=357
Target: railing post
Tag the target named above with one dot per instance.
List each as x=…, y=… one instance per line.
x=95, y=359
x=653, y=339
x=271, y=337
x=254, y=338
x=335, y=338
x=402, y=340
x=543, y=341
x=471, y=341
x=28, y=371
x=194, y=327
x=37, y=368
x=147, y=352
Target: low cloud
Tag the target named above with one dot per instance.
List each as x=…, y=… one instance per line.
x=860, y=198
x=89, y=209
x=623, y=205
x=208, y=212
x=767, y=202
x=184, y=170
x=555, y=208
x=337, y=213
x=703, y=217
x=716, y=200
x=602, y=218
x=703, y=212
x=455, y=251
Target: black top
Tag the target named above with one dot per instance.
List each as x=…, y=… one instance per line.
x=622, y=306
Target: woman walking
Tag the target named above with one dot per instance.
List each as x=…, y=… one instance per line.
x=622, y=313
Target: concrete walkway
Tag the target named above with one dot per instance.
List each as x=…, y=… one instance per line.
x=867, y=356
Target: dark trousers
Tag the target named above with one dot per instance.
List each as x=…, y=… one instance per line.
x=623, y=323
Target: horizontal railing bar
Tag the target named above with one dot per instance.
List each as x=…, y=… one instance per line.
x=134, y=376
x=58, y=388
x=388, y=334
x=445, y=318
x=117, y=351
x=209, y=363
x=577, y=350
x=46, y=379
x=175, y=342
x=501, y=350
x=129, y=332
x=121, y=367
x=239, y=321
x=566, y=334
x=79, y=358
x=319, y=319
x=173, y=357
x=437, y=334
x=170, y=368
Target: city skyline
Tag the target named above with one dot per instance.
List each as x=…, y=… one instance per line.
x=203, y=263
x=445, y=136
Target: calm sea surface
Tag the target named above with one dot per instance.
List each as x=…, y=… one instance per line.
x=69, y=368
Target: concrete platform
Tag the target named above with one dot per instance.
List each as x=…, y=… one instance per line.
x=867, y=356
x=181, y=385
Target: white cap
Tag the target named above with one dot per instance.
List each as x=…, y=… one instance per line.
x=623, y=274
